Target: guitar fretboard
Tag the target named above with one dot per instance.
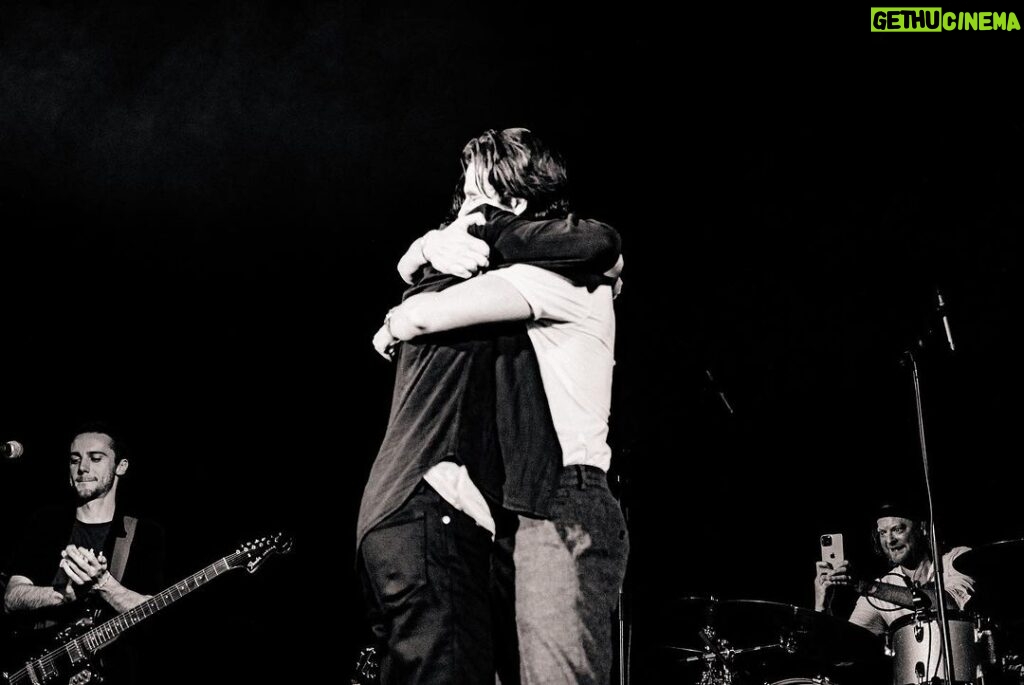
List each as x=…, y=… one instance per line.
x=104, y=633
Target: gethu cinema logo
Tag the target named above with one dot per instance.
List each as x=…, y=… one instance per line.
x=922, y=19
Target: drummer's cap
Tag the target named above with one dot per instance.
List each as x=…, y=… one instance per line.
x=902, y=507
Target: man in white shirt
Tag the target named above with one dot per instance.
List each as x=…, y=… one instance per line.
x=902, y=538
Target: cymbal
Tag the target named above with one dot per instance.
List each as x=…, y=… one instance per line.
x=746, y=623
x=995, y=567
x=994, y=559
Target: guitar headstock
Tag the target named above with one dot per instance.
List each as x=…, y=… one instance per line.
x=367, y=670
x=252, y=554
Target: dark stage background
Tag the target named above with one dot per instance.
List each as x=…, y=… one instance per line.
x=202, y=205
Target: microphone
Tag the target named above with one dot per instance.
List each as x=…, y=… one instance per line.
x=945, y=319
x=11, y=450
x=918, y=598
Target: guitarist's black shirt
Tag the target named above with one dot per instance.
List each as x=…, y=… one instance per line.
x=90, y=536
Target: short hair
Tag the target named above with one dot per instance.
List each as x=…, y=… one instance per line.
x=119, y=442
x=517, y=163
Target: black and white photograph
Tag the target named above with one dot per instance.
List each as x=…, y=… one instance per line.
x=403, y=343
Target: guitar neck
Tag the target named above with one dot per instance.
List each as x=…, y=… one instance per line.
x=103, y=634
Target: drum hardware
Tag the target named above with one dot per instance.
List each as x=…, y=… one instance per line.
x=1013, y=665
x=988, y=653
x=1002, y=667
x=718, y=656
x=805, y=639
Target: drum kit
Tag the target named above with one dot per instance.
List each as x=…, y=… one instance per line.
x=756, y=642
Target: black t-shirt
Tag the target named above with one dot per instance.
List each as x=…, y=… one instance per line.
x=442, y=409
x=90, y=536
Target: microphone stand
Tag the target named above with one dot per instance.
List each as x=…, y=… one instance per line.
x=940, y=585
x=716, y=388
x=624, y=643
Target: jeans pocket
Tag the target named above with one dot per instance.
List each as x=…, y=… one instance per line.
x=395, y=558
x=613, y=527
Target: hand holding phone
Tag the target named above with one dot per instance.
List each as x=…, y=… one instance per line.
x=832, y=549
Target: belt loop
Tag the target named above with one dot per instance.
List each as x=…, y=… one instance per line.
x=580, y=477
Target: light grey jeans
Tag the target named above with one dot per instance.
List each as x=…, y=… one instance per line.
x=568, y=573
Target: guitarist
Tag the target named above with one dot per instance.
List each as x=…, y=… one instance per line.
x=87, y=559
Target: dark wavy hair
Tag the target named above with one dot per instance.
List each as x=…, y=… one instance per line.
x=518, y=164
x=119, y=441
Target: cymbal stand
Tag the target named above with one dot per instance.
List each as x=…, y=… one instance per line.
x=718, y=656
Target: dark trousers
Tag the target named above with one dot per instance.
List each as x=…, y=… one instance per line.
x=426, y=575
x=503, y=599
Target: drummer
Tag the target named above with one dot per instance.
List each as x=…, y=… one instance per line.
x=901, y=537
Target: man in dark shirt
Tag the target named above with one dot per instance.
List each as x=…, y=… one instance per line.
x=87, y=558
x=428, y=511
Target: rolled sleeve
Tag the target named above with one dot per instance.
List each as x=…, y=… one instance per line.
x=550, y=296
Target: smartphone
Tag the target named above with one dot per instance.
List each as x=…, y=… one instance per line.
x=832, y=548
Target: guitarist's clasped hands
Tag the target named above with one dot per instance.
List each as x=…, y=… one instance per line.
x=84, y=569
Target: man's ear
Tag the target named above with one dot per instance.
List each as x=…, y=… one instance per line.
x=518, y=205
x=121, y=467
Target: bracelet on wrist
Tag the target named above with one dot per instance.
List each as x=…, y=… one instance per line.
x=387, y=322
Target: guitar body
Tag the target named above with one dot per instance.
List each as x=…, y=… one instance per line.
x=56, y=666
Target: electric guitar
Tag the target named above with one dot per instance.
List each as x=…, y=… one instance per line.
x=70, y=663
